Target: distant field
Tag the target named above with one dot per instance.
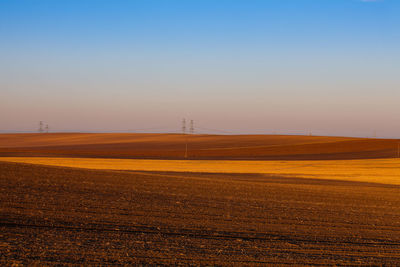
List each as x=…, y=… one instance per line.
x=386, y=171
x=172, y=146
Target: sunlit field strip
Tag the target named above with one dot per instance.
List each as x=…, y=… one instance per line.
x=385, y=171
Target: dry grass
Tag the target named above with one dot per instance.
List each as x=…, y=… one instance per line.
x=385, y=171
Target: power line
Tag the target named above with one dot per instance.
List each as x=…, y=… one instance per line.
x=145, y=129
x=214, y=130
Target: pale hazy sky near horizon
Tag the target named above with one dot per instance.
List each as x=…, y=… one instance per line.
x=330, y=67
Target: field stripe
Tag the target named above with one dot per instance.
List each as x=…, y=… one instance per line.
x=386, y=171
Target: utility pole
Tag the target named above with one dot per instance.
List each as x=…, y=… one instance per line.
x=41, y=127
x=183, y=126
x=186, y=150
x=398, y=150
x=191, y=127
x=184, y=136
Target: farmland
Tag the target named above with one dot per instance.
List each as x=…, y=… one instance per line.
x=56, y=215
x=214, y=209
x=384, y=171
x=172, y=146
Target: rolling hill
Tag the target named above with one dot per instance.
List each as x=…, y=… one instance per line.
x=172, y=146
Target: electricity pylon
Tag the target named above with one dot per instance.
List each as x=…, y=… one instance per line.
x=191, y=127
x=183, y=126
x=41, y=127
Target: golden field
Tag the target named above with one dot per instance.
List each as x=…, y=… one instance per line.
x=385, y=171
x=248, y=200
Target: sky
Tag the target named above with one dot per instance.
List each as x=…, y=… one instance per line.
x=326, y=67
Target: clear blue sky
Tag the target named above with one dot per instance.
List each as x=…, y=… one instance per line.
x=331, y=67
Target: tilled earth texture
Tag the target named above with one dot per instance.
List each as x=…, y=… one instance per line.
x=67, y=216
x=172, y=146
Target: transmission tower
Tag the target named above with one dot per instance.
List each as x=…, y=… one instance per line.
x=191, y=129
x=41, y=127
x=183, y=126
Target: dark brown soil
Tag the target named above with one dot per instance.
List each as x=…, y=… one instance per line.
x=172, y=146
x=54, y=215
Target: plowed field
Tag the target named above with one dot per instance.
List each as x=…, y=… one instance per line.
x=125, y=199
x=56, y=215
x=172, y=146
